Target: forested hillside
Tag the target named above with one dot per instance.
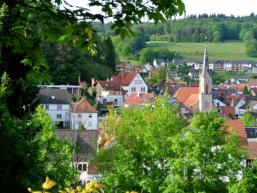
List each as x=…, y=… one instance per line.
x=213, y=28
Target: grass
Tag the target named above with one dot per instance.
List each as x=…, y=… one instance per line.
x=216, y=51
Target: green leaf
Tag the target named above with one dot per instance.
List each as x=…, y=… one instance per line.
x=26, y=61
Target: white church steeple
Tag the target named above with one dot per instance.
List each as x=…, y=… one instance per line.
x=205, y=85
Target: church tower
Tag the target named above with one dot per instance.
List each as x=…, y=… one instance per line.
x=205, y=86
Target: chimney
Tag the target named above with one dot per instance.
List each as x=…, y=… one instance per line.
x=138, y=94
x=107, y=79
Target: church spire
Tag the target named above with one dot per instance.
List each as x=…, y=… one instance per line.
x=205, y=66
x=205, y=85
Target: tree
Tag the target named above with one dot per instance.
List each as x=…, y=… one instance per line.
x=147, y=55
x=110, y=55
x=183, y=71
x=206, y=160
x=158, y=77
x=24, y=25
x=248, y=183
x=249, y=120
x=30, y=149
x=137, y=159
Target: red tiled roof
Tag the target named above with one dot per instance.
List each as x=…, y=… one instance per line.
x=233, y=100
x=109, y=85
x=116, y=82
x=227, y=110
x=253, y=82
x=252, y=150
x=83, y=106
x=124, y=78
x=183, y=93
x=139, y=99
x=239, y=87
x=192, y=100
x=238, y=127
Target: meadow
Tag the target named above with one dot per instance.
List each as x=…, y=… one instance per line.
x=226, y=51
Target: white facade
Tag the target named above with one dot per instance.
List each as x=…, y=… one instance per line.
x=197, y=66
x=211, y=66
x=159, y=63
x=228, y=66
x=217, y=103
x=111, y=97
x=239, y=111
x=88, y=120
x=59, y=113
x=137, y=85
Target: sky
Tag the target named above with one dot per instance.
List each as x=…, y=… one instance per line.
x=227, y=7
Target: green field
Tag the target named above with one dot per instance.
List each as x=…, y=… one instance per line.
x=216, y=51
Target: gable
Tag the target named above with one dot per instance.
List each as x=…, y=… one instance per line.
x=140, y=80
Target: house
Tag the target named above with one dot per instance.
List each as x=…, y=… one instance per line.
x=237, y=102
x=85, y=143
x=254, y=67
x=109, y=92
x=188, y=96
x=159, y=63
x=198, y=98
x=83, y=114
x=219, y=102
x=197, y=65
x=253, y=83
x=194, y=74
x=178, y=62
x=139, y=99
x=247, y=137
x=119, y=87
x=239, y=79
x=218, y=66
x=227, y=66
x=251, y=105
x=57, y=104
x=228, y=111
x=253, y=91
x=71, y=89
x=124, y=66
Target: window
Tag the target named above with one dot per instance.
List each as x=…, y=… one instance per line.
x=138, y=81
x=59, y=107
x=133, y=89
x=79, y=115
x=89, y=115
x=82, y=167
x=104, y=101
x=142, y=89
x=47, y=107
x=59, y=116
x=115, y=101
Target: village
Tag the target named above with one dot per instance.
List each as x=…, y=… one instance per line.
x=79, y=122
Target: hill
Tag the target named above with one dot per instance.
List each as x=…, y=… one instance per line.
x=194, y=51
